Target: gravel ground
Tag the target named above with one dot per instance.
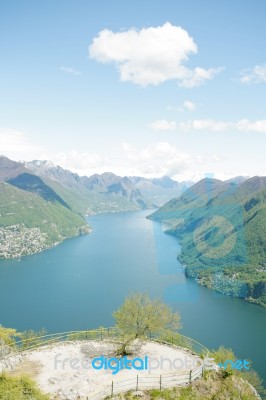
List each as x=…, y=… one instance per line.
x=65, y=370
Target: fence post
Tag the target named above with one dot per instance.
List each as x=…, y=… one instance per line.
x=160, y=382
x=101, y=335
x=190, y=376
x=137, y=385
x=112, y=389
x=86, y=334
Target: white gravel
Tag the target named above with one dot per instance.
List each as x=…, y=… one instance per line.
x=64, y=381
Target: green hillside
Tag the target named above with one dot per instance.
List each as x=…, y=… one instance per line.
x=77, y=198
x=35, y=184
x=29, y=223
x=89, y=202
x=222, y=230
x=90, y=195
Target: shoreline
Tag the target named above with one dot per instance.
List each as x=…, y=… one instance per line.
x=82, y=230
x=197, y=280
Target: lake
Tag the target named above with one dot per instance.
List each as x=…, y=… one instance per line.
x=78, y=284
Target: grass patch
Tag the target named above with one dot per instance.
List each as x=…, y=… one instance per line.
x=19, y=388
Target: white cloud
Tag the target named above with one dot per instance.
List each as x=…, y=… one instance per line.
x=159, y=159
x=216, y=158
x=256, y=126
x=156, y=160
x=163, y=125
x=178, y=109
x=14, y=142
x=189, y=105
x=255, y=75
x=81, y=163
x=204, y=124
x=213, y=125
x=196, y=77
x=243, y=125
x=70, y=70
x=151, y=55
x=186, y=106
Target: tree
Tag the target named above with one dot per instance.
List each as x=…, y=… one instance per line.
x=9, y=335
x=9, y=338
x=140, y=315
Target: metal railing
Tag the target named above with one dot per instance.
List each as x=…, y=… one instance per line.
x=32, y=343
x=160, y=382
x=173, y=338
x=136, y=383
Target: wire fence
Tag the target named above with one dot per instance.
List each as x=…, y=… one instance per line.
x=32, y=343
x=160, y=382
x=108, y=334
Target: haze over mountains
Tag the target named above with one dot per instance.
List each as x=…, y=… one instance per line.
x=110, y=192
x=89, y=195
x=41, y=204
x=221, y=225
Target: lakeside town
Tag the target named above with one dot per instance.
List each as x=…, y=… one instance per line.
x=18, y=240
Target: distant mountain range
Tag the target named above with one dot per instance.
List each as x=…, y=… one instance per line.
x=41, y=203
x=222, y=229
x=90, y=195
x=108, y=192
x=159, y=190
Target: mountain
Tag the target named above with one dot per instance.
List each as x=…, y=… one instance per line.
x=65, y=183
x=34, y=184
x=159, y=190
x=125, y=188
x=165, y=182
x=53, y=202
x=100, y=182
x=97, y=193
x=195, y=197
x=222, y=229
x=238, y=179
x=107, y=192
x=9, y=168
x=48, y=170
x=33, y=216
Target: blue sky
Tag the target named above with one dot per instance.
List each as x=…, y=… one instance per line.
x=144, y=87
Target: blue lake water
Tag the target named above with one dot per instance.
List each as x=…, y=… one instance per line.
x=78, y=284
